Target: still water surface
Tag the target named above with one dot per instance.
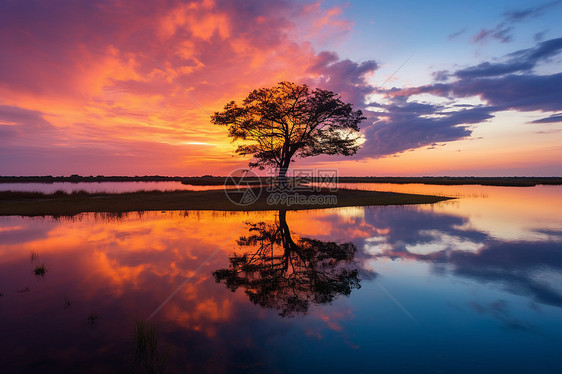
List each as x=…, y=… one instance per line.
x=108, y=187
x=468, y=285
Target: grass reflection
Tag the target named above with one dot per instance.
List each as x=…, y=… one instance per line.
x=148, y=354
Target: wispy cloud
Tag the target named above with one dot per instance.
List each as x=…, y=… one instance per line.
x=550, y=119
x=519, y=15
x=457, y=34
x=502, y=32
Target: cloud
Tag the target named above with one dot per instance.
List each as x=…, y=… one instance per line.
x=15, y=116
x=518, y=92
x=441, y=75
x=502, y=31
x=19, y=126
x=413, y=125
x=404, y=123
x=346, y=77
x=520, y=61
x=456, y=34
x=523, y=14
x=93, y=71
x=539, y=36
x=551, y=119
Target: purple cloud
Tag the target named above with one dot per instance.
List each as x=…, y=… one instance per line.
x=414, y=125
x=511, y=85
x=346, y=77
x=523, y=14
x=502, y=31
x=19, y=125
x=551, y=119
x=521, y=61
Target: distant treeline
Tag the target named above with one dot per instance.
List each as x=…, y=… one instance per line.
x=78, y=179
x=484, y=181
x=205, y=180
x=213, y=180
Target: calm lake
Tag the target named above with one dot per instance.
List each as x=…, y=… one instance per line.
x=466, y=285
x=109, y=187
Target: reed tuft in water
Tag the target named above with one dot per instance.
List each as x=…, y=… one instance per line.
x=40, y=271
x=148, y=354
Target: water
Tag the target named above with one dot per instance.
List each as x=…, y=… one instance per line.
x=468, y=285
x=107, y=187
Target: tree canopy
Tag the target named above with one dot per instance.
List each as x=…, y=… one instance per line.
x=275, y=124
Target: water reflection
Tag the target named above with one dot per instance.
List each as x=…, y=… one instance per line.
x=288, y=275
x=507, y=213
x=108, y=187
x=473, y=290
x=446, y=241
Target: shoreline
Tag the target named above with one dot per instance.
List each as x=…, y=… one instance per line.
x=62, y=204
x=216, y=181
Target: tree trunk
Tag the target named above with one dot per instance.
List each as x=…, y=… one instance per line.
x=282, y=178
x=283, y=168
x=286, y=239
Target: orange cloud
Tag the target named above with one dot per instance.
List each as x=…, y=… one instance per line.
x=94, y=73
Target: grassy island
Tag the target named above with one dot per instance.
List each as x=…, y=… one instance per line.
x=64, y=204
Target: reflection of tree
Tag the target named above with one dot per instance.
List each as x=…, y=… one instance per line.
x=280, y=273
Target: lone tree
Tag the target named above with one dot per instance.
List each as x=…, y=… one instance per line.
x=290, y=120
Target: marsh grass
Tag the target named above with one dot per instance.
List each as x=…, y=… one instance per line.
x=148, y=353
x=40, y=271
x=63, y=204
x=24, y=195
x=92, y=318
x=34, y=256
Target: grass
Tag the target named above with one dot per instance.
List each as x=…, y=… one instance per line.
x=40, y=271
x=148, y=353
x=64, y=204
x=92, y=318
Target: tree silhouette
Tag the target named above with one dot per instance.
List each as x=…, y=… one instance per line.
x=289, y=120
x=287, y=275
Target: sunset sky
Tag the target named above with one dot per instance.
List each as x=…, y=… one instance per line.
x=121, y=87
